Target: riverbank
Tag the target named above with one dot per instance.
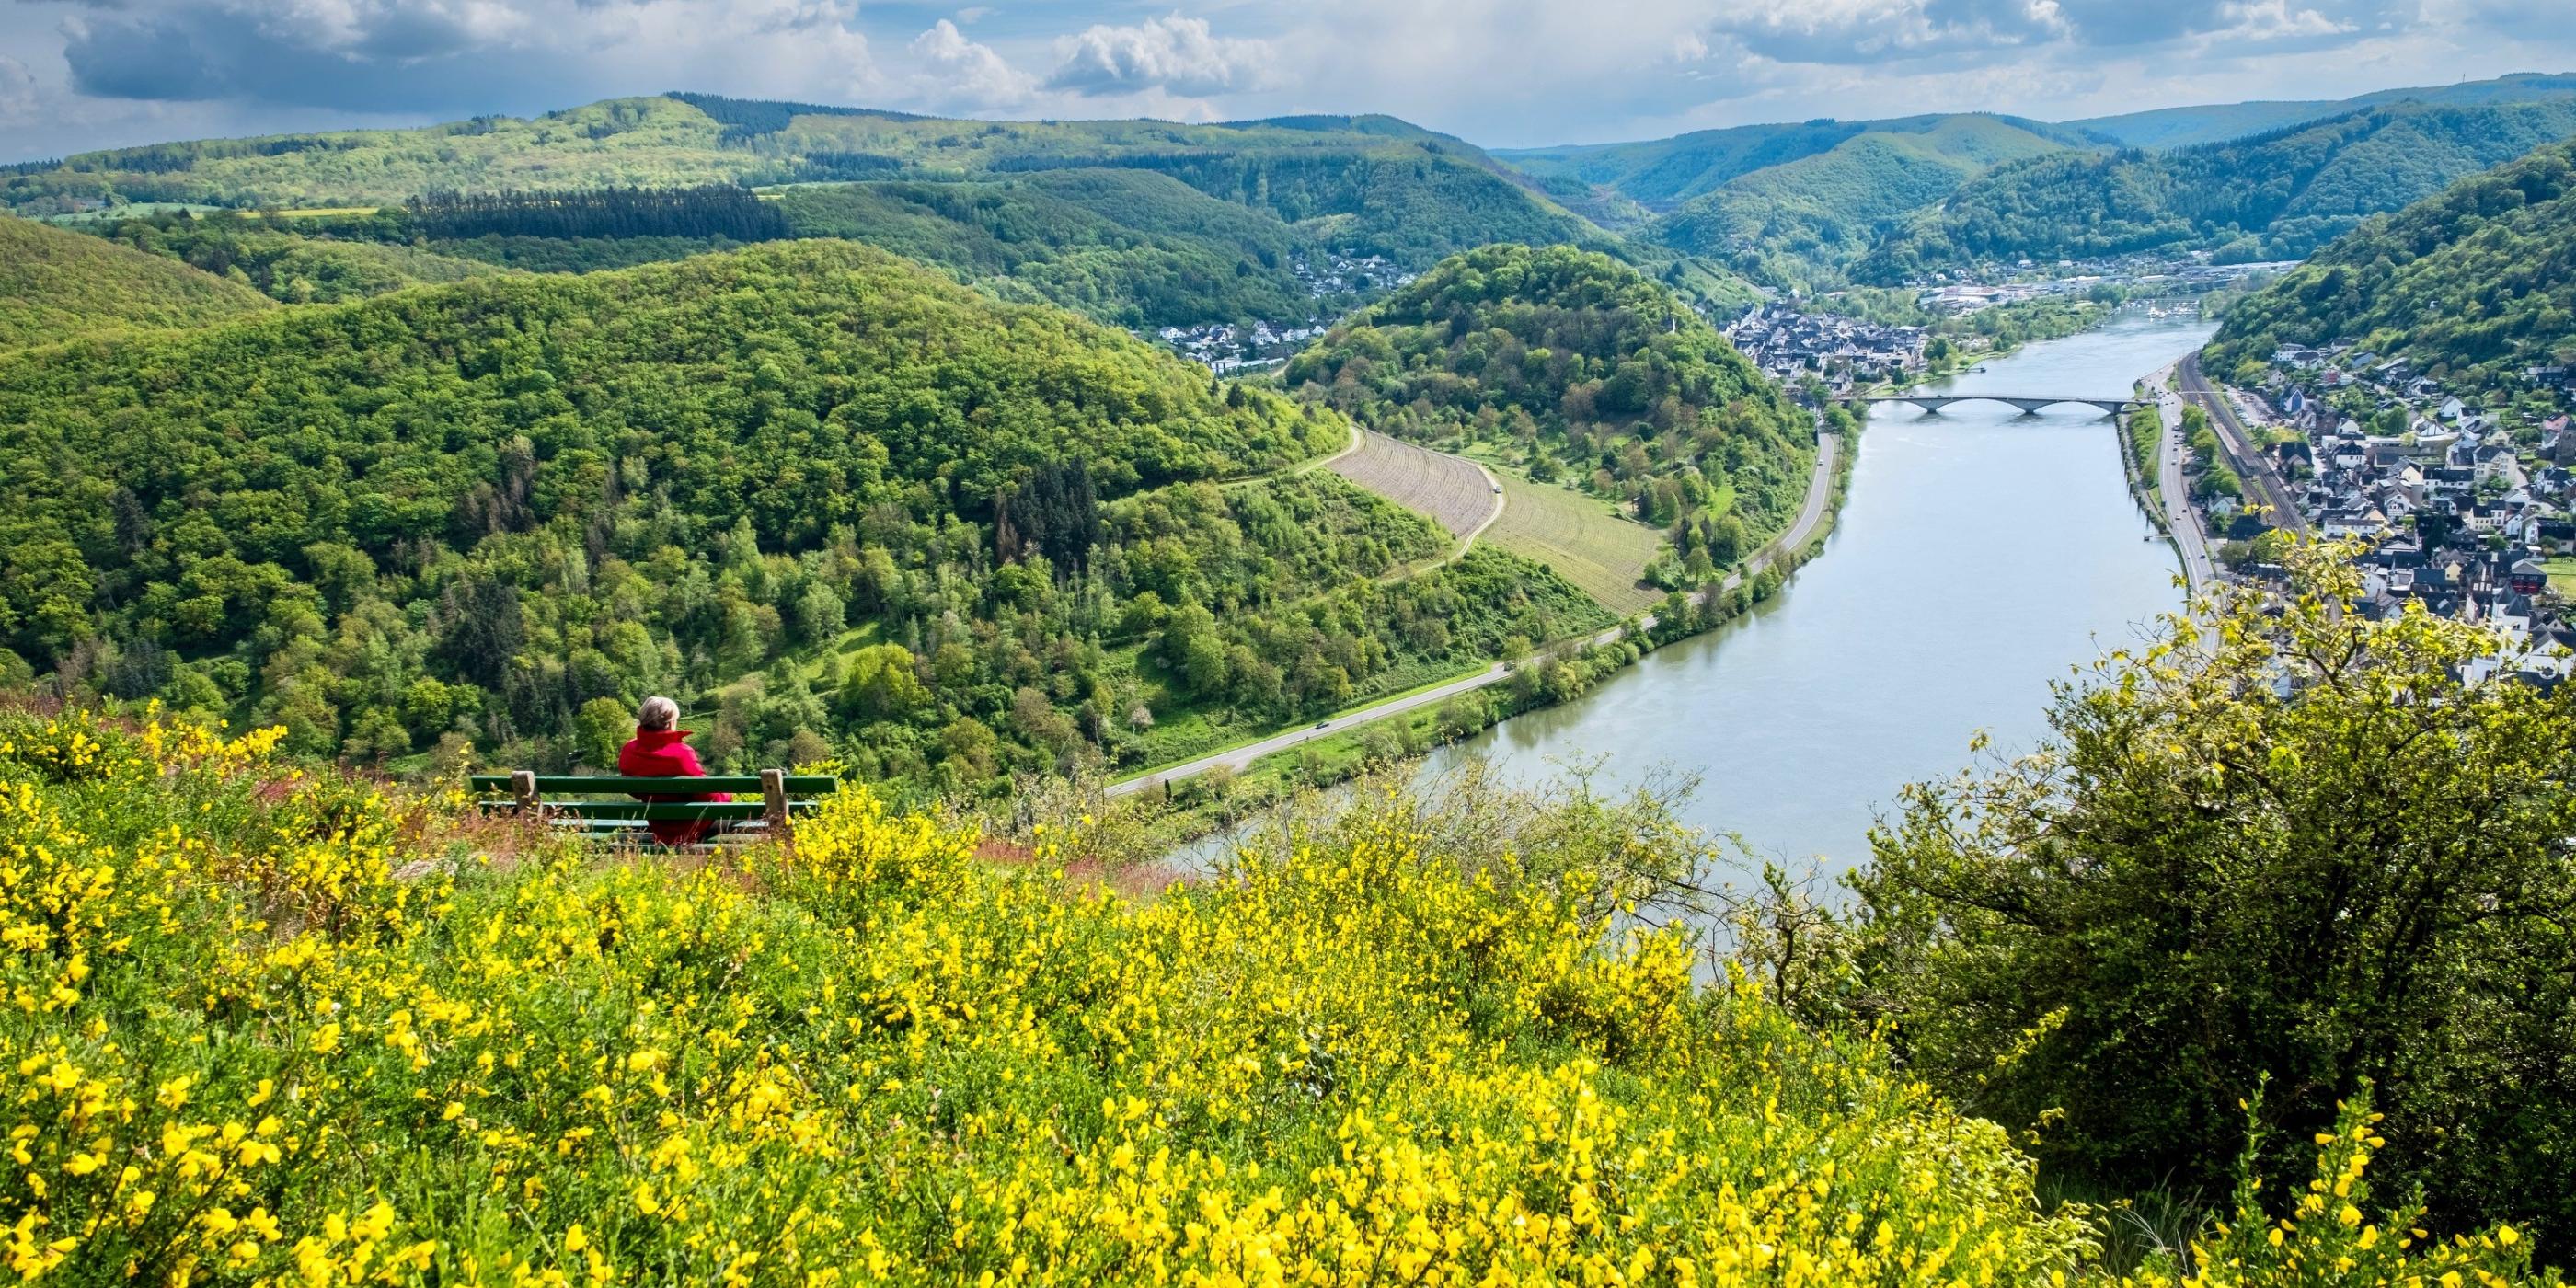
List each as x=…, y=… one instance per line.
x=1977, y=556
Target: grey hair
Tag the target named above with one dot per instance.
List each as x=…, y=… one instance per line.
x=657, y=713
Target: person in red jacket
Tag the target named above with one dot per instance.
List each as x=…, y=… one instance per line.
x=658, y=752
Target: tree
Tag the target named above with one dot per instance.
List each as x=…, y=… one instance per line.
x=1192, y=647
x=600, y=729
x=2200, y=882
x=881, y=684
x=483, y=629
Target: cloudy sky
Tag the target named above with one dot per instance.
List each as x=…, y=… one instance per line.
x=78, y=74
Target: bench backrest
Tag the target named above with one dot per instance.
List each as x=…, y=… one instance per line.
x=780, y=793
x=618, y=785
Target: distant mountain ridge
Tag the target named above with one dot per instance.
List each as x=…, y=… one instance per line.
x=1370, y=185
x=1801, y=204
x=1789, y=222
x=2174, y=127
x=2272, y=196
x=1806, y=206
x=1373, y=183
x=1666, y=172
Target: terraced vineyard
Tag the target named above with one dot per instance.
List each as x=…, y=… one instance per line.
x=1449, y=490
x=1580, y=537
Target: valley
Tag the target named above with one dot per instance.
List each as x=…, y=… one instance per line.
x=1078, y=671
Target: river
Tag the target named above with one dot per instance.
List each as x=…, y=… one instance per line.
x=1980, y=554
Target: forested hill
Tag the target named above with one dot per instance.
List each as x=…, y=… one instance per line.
x=2274, y=196
x=2471, y=286
x=1370, y=184
x=1578, y=369
x=56, y=284
x=1124, y=246
x=838, y=505
x=329, y=507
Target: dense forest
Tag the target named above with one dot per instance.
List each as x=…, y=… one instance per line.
x=2472, y=286
x=2272, y=196
x=838, y=504
x=1121, y=246
x=710, y=210
x=1128, y=247
x=287, y=261
x=1586, y=373
x=56, y=284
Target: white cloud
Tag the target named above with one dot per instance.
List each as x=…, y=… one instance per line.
x=2279, y=19
x=17, y=90
x=1173, y=53
x=953, y=73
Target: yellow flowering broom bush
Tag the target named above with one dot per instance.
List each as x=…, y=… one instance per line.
x=243, y=1049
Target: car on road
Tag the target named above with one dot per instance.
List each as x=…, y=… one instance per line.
x=1323, y=724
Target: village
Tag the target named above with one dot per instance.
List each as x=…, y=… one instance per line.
x=1790, y=346
x=2458, y=505
x=1233, y=348
x=1795, y=341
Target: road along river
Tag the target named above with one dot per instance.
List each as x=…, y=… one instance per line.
x=1980, y=555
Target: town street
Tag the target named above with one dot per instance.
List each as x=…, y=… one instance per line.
x=1820, y=490
x=2181, y=519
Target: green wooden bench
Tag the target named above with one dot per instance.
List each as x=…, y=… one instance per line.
x=552, y=800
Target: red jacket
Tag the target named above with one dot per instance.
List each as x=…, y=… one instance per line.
x=660, y=753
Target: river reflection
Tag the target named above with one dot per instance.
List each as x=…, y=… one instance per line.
x=1980, y=555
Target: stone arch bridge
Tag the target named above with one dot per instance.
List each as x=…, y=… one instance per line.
x=2030, y=405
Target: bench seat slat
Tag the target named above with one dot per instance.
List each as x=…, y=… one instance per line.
x=658, y=811
x=618, y=785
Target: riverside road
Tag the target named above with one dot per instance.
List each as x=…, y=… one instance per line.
x=1811, y=516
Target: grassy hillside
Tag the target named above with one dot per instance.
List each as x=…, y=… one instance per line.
x=1577, y=368
x=2175, y=127
x=2279, y=195
x=2472, y=285
x=56, y=284
x=1805, y=220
